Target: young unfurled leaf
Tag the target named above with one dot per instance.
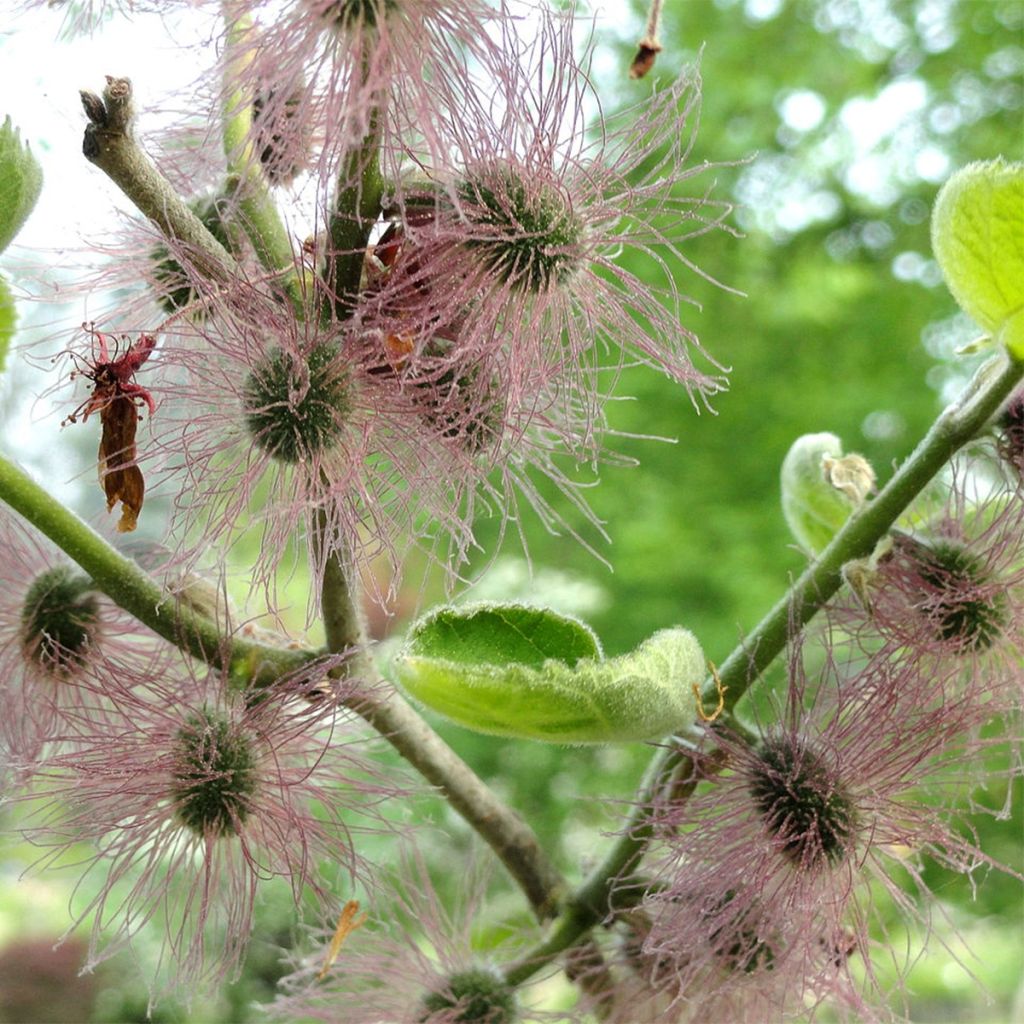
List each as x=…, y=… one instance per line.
x=21, y=179
x=513, y=670
x=120, y=477
x=821, y=487
x=978, y=238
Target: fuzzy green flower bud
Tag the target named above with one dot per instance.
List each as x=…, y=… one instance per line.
x=21, y=178
x=821, y=487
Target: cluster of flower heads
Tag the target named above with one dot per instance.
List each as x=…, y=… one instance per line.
x=851, y=785
x=437, y=340
x=189, y=792
x=402, y=379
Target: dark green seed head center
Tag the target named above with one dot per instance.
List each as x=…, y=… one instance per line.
x=296, y=407
x=59, y=620
x=801, y=803
x=479, y=995
x=348, y=14
x=965, y=611
x=528, y=236
x=215, y=775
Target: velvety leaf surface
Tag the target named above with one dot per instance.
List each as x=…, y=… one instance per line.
x=514, y=670
x=21, y=179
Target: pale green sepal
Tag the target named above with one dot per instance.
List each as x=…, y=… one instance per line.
x=8, y=318
x=562, y=699
x=978, y=239
x=21, y=179
x=821, y=487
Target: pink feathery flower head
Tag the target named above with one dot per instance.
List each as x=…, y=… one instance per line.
x=326, y=74
x=265, y=418
x=194, y=797
x=278, y=420
x=768, y=870
x=66, y=652
x=412, y=960
x=949, y=589
x=516, y=235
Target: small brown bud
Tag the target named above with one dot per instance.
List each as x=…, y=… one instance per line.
x=646, y=53
x=94, y=109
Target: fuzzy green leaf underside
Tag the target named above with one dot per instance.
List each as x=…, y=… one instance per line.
x=8, y=319
x=510, y=670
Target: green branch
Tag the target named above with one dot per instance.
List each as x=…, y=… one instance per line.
x=390, y=714
x=356, y=208
x=110, y=144
x=134, y=591
x=247, y=182
x=958, y=424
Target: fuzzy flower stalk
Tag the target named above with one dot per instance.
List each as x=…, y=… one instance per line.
x=192, y=798
x=767, y=875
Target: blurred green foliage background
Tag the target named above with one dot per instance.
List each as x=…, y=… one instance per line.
x=834, y=122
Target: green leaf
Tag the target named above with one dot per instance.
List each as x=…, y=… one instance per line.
x=501, y=633
x=21, y=179
x=530, y=673
x=978, y=238
x=8, y=318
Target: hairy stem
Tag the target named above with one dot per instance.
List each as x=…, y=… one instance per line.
x=955, y=426
x=505, y=832
x=111, y=146
x=512, y=840
x=246, y=180
x=356, y=208
x=131, y=588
